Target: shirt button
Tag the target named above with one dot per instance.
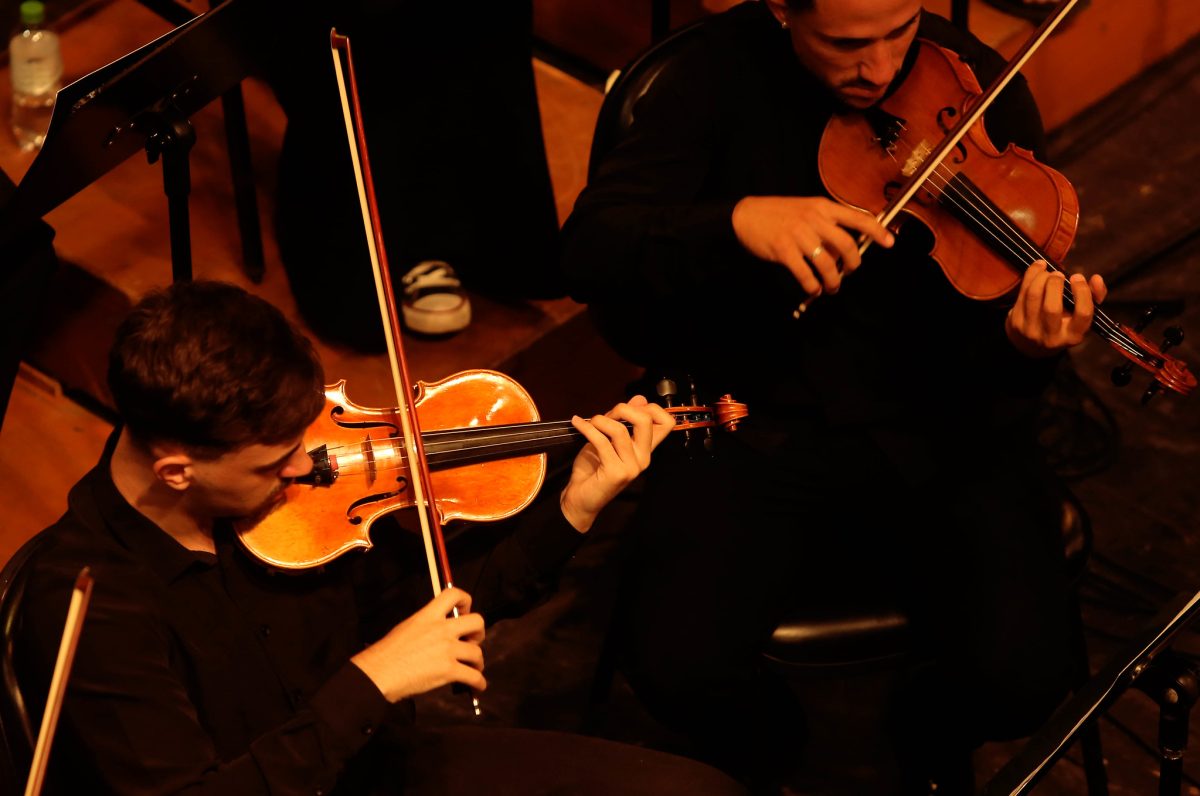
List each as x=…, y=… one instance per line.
x=367, y=729
x=265, y=631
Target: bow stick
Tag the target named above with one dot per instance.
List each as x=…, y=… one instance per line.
x=80, y=596
x=419, y=475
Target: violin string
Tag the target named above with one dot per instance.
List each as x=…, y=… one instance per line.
x=1016, y=243
x=434, y=438
x=1016, y=238
x=396, y=442
x=480, y=442
x=480, y=437
x=1012, y=239
x=432, y=450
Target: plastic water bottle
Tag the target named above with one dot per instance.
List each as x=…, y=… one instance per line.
x=36, y=66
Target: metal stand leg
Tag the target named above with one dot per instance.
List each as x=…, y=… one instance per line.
x=1089, y=735
x=1171, y=681
x=172, y=138
x=244, y=197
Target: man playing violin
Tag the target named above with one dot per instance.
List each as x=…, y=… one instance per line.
x=893, y=403
x=201, y=671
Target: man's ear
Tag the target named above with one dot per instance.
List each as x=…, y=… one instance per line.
x=173, y=468
x=779, y=10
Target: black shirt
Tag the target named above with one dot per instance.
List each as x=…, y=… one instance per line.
x=209, y=674
x=651, y=247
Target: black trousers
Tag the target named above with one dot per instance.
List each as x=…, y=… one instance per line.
x=456, y=149
x=967, y=541
x=468, y=761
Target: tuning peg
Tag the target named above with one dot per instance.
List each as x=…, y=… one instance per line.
x=667, y=390
x=1151, y=391
x=1122, y=375
x=1147, y=318
x=1172, y=336
x=693, y=436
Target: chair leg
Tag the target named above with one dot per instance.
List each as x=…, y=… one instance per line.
x=244, y=198
x=1089, y=735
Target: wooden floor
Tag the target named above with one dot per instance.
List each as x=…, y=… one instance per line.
x=1138, y=485
x=114, y=235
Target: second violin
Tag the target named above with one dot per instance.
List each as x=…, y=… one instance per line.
x=992, y=213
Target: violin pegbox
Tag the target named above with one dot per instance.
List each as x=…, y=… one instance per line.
x=1168, y=371
x=695, y=420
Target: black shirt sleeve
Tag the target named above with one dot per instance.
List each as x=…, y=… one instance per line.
x=129, y=712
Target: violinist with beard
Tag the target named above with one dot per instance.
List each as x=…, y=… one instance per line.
x=893, y=403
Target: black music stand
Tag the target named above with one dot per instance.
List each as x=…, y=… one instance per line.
x=142, y=102
x=1146, y=663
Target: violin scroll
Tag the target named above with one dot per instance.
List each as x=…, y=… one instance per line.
x=1168, y=371
x=725, y=413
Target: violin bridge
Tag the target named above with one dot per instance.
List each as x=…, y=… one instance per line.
x=916, y=159
x=368, y=449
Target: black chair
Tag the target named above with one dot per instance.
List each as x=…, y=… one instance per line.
x=16, y=730
x=629, y=85
x=873, y=632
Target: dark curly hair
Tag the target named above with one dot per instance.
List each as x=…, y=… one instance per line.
x=209, y=366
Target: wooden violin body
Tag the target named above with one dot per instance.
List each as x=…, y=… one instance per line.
x=361, y=471
x=980, y=204
x=992, y=214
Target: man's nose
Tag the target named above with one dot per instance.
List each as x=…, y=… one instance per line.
x=300, y=464
x=878, y=66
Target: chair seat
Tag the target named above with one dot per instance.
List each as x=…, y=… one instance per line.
x=849, y=639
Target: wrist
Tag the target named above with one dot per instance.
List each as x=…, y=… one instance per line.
x=579, y=519
x=1024, y=345
x=369, y=664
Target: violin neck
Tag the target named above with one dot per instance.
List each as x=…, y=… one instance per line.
x=459, y=446
x=972, y=207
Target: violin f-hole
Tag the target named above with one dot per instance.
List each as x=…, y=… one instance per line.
x=943, y=121
x=355, y=519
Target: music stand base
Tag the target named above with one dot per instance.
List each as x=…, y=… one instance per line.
x=1171, y=681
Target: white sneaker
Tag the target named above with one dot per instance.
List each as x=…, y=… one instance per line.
x=434, y=301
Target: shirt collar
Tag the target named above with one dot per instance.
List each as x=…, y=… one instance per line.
x=96, y=500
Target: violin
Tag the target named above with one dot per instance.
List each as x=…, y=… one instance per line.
x=485, y=445
x=924, y=151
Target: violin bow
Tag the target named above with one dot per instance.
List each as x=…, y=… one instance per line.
x=419, y=480
x=80, y=596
